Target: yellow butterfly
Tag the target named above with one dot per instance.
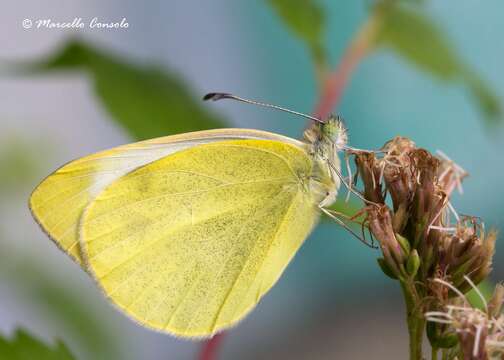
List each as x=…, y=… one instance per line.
x=186, y=233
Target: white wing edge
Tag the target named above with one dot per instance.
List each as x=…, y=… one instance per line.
x=144, y=152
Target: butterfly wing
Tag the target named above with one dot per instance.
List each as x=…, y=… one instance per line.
x=58, y=202
x=189, y=243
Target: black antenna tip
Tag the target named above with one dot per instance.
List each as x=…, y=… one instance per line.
x=216, y=96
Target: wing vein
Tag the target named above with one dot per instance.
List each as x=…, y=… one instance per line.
x=269, y=248
x=216, y=318
x=146, y=247
x=265, y=151
x=140, y=201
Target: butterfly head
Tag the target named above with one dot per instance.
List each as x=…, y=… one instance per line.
x=324, y=140
x=334, y=131
x=329, y=134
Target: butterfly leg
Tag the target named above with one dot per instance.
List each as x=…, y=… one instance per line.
x=357, y=150
x=336, y=216
x=349, y=186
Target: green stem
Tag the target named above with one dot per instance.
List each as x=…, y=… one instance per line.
x=415, y=319
x=444, y=354
x=434, y=353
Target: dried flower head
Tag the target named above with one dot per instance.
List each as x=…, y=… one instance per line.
x=480, y=331
x=421, y=217
x=436, y=254
x=465, y=249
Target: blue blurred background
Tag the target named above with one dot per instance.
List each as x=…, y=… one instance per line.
x=333, y=301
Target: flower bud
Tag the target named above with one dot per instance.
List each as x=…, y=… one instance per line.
x=396, y=169
x=386, y=269
x=404, y=243
x=497, y=300
x=467, y=251
x=370, y=175
x=413, y=263
x=380, y=224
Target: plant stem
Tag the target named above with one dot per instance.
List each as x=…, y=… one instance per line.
x=415, y=319
x=444, y=354
x=333, y=84
x=415, y=329
x=434, y=353
x=210, y=347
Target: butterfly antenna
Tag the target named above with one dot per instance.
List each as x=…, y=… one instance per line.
x=220, y=96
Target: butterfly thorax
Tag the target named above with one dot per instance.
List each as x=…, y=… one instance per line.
x=325, y=140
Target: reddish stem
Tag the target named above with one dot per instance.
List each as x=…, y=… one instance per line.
x=210, y=347
x=336, y=81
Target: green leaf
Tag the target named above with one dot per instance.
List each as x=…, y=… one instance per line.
x=59, y=303
x=487, y=100
x=415, y=37
x=147, y=101
x=446, y=340
x=486, y=289
x=305, y=18
x=23, y=346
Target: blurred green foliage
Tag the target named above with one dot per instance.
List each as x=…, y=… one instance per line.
x=148, y=101
x=18, y=164
x=59, y=302
x=305, y=18
x=415, y=37
x=23, y=346
x=405, y=29
x=65, y=306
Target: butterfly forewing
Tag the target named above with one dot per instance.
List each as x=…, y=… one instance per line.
x=58, y=202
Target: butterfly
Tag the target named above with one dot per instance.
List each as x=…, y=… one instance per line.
x=186, y=233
